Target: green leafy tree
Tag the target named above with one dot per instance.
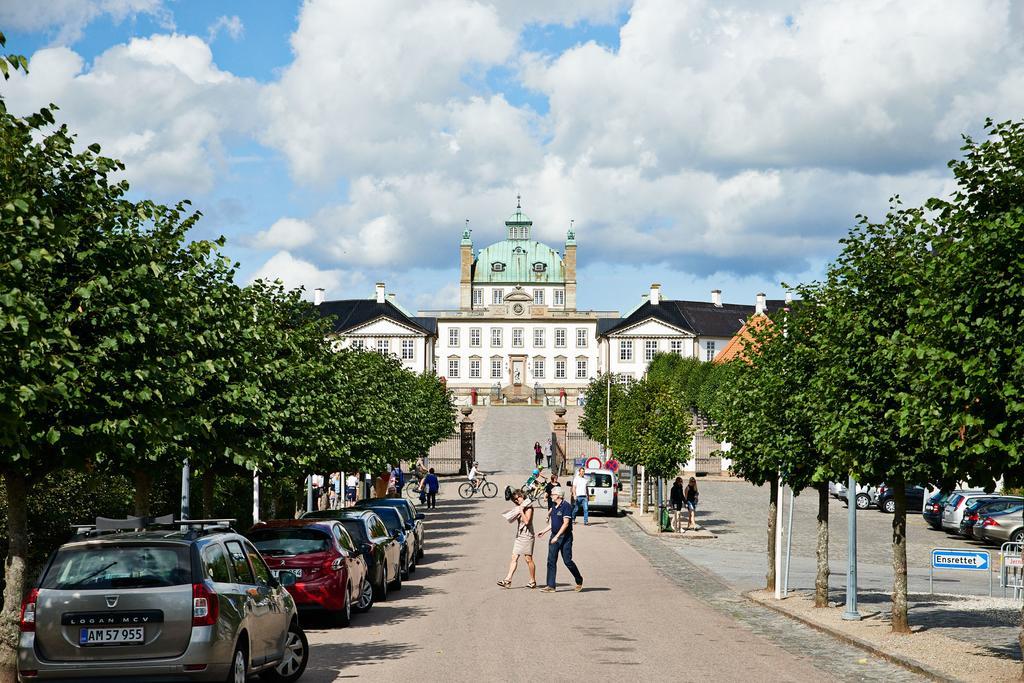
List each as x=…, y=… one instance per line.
x=603, y=395
x=861, y=378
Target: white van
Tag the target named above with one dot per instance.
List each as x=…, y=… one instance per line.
x=603, y=491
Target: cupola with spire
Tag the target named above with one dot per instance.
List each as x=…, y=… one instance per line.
x=518, y=224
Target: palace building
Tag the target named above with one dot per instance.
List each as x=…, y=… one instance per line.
x=517, y=334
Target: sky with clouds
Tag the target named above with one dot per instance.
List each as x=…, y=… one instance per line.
x=701, y=144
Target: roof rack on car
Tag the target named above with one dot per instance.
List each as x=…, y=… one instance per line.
x=107, y=525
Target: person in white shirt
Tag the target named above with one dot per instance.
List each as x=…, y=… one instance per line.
x=351, y=483
x=580, y=497
x=474, y=472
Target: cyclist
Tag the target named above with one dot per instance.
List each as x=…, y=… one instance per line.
x=474, y=473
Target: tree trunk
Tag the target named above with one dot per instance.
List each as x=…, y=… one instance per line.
x=14, y=573
x=634, y=479
x=773, y=505
x=209, y=489
x=143, y=492
x=900, y=624
x=821, y=578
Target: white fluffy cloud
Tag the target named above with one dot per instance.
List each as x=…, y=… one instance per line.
x=69, y=17
x=232, y=26
x=160, y=104
x=296, y=272
x=285, y=233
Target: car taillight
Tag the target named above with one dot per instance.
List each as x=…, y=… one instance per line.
x=334, y=565
x=988, y=521
x=204, y=605
x=973, y=517
x=27, y=623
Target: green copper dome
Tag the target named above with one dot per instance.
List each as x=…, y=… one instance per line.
x=519, y=262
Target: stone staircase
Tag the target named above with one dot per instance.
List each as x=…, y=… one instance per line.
x=504, y=442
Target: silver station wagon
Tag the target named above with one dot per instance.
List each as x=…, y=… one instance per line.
x=169, y=601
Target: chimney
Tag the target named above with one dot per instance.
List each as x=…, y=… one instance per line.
x=391, y=299
x=655, y=297
x=760, y=308
x=716, y=297
x=380, y=293
x=318, y=296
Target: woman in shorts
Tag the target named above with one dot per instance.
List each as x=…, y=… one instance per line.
x=690, y=496
x=523, y=544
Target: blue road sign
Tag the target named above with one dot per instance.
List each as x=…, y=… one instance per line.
x=951, y=558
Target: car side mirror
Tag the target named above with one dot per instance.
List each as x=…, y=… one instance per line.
x=420, y=516
x=286, y=579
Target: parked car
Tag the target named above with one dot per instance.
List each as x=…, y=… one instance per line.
x=395, y=524
x=953, y=510
x=382, y=552
x=153, y=602
x=330, y=572
x=981, y=507
x=603, y=491
x=933, y=509
x=914, y=497
x=866, y=495
x=1000, y=527
x=413, y=518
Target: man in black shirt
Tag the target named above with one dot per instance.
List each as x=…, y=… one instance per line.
x=561, y=541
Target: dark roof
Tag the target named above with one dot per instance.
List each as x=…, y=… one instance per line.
x=427, y=323
x=702, y=318
x=349, y=313
x=605, y=324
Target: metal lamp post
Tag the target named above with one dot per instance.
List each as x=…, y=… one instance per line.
x=851, y=613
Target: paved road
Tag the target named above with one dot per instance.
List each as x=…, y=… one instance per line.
x=645, y=613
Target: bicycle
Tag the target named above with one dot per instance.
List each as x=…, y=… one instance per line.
x=412, y=489
x=487, y=489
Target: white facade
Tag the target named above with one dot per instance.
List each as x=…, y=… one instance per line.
x=411, y=346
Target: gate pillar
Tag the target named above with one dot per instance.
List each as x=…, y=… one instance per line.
x=559, y=428
x=467, y=441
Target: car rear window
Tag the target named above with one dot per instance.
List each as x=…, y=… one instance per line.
x=103, y=567
x=390, y=516
x=355, y=529
x=601, y=481
x=290, y=541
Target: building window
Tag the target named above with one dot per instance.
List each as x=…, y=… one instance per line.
x=538, y=368
x=677, y=346
x=559, y=337
x=453, y=336
x=383, y=347
x=650, y=348
x=474, y=368
x=517, y=337
x=497, y=296
x=539, y=267
x=559, y=369
x=474, y=336
x=626, y=349
x=495, y=336
x=581, y=368
x=624, y=378
x=358, y=344
x=538, y=296
x=478, y=296
x=498, y=267
x=408, y=346
x=453, y=367
x=709, y=350
x=581, y=337
x=495, y=368
x=559, y=297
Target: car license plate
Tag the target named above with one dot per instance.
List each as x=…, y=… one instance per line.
x=297, y=573
x=119, y=635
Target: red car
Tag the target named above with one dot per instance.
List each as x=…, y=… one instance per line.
x=316, y=560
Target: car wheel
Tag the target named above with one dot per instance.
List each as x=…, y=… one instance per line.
x=365, y=596
x=889, y=506
x=382, y=588
x=406, y=569
x=396, y=585
x=419, y=553
x=863, y=501
x=239, y=670
x=296, y=657
x=343, y=617
x=1018, y=536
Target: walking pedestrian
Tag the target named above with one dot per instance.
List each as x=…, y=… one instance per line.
x=675, y=497
x=351, y=482
x=560, y=527
x=524, y=542
x=580, y=496
x=552, y=483
x=399, y=478
x=538, y=455
x=690, y=496
x=431, y=485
